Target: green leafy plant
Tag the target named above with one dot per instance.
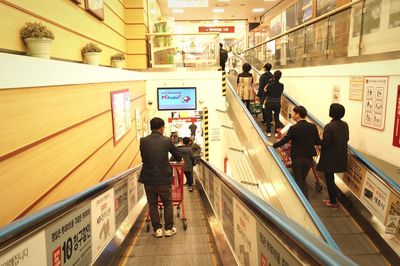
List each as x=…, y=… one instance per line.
x=90, y=48
x=36, y=30
x=118, y=56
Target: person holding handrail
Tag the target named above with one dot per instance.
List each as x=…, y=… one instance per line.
x=272, y=102
x=333, y=157
x=265, y=79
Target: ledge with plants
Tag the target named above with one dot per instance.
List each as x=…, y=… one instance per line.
x=91, y=53
x=38, y=38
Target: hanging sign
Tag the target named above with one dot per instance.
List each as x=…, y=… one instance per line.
x=221, y=29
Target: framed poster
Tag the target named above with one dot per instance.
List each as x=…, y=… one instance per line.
x=374, y=102
x=396, y=130
x=96, y=7
x=121, y=113
x=77, y=1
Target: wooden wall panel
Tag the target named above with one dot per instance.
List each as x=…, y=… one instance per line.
x=137, y=61
x=136, y=31
x=136, y=47
x=135, y=16
x=135, y=3
x=65, y=159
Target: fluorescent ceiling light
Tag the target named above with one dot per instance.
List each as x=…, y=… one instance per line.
x=224, y=0
x=218, y=10
x=258, y=10
x=269, y=0
x=177, y=11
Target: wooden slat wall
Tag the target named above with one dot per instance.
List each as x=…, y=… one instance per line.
x=74, y=27
x=57, y=141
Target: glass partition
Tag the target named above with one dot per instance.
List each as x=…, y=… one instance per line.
x=184, y=50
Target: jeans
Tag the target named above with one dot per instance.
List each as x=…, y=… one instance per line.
x=165, y=193
x=301, y=167
x=269, y=108
x=331, y=186
x=189, y=177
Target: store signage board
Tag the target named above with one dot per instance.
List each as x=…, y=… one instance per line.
x=396, y=131
x=221, y=29
x=187, y=3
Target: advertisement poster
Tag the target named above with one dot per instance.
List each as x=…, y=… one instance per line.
x=217, y=198
x=227, y=214
x=210, y=191
x=121, y=203
x=270, y=251
x=103, y=221
x=396, y=130
x=176, y=98
x=121, y=113
x=30, y=252
x=69, y=240
x=245, y=235
x=132, y=191
x=335, y=94
x=356, y=88
x=375, y=196
x=374, y=102
x=355, y=175
x=393, y=215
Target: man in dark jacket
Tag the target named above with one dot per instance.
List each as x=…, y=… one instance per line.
x=304, y=137
x=223, y=56
x=265, y=79
x=156, y=175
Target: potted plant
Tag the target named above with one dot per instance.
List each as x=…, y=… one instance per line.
x=91, y=53
x=38, y=38
x=117, y=60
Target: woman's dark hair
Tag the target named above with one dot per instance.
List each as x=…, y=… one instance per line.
x=268, y=66
x=336, y=111
x=156, y=123
x=277, y=75
x=301, y=110
x=246, y=67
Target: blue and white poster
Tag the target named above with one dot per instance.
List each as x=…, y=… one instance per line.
x=176, y=98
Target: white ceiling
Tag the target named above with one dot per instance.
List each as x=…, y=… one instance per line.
x=234, y=9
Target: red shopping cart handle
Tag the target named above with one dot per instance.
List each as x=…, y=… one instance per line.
x=176, y=163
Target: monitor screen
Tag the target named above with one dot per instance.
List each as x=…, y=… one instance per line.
x=179, y=98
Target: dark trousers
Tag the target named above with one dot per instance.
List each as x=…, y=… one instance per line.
x=301, y=167
x=247, y=103
x=165, y=193
x=263, y=110
x=189, y=178
x=331, y=186
x=269, y=108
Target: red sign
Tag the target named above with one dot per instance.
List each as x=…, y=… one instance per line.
x=396, y=130
x=223, y=29
x=186, y=119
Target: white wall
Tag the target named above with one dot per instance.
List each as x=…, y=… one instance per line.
x=209, y=90
x=312, y=87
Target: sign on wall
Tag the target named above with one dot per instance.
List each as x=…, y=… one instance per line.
x=221, y=29
x=121, y=113
x=374, y=102
x=356, y=88
x=396, y=130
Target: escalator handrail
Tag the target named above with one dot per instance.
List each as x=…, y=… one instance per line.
x=321, y=251
x=389, y=181
x=18, y=228
x=310, y=210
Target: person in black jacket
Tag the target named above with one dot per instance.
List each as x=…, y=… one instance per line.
x=272, y=102
x=156, y=175
x=223, y=56
x=265, y=79
x=333, y=157
x=304, y=137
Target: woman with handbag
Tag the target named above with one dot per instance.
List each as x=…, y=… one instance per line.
x=244, y=85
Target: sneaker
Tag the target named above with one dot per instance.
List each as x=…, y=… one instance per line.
x=171, y=231
x=190, y=188
x=327, y=203
x=158, y=233
x=269, y=135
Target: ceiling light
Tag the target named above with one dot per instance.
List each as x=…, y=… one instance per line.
x=258, y=10
x=177, y=11
x=224, y=0
x=218, y=10
x=269, y=0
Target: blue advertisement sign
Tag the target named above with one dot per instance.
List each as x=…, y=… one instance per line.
x=176, y=98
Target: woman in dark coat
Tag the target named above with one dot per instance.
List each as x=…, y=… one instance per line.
x=333, y=157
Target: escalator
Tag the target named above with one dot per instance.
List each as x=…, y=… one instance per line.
x=354, y=227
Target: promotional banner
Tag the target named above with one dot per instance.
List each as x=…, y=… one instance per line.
x=30, y=252
x=121, y=203
x=245, y=235
x=221, y=29
x=396, y=130
x=121, y=113
x=355, y=175
x=176, y=98
x=227, y=214
x=132, y=191
x=217, y=197
x=69, y=240
x=103, y=221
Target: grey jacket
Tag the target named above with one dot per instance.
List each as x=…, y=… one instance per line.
x=154, y=149
x=187, y=155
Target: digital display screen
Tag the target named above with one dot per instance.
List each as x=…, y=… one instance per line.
x=183, y=98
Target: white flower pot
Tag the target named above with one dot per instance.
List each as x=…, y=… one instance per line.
x=39, y=47
x=92, y=58
x=117, y=63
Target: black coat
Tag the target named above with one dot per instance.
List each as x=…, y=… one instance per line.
x=334, y=147
x=304, y=137
x=154, y=149
x=265, y=78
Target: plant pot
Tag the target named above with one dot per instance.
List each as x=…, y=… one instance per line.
x=92, y=58
x=39, y=47
x=117, y=63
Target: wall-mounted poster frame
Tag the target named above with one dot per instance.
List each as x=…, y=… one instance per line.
x=121, y=113
x=96, y=7
x=374, y=102
x=79, y=2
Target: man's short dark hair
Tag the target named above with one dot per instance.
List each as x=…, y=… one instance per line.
x=221, y=45
x=156, y=123
x=301, y=111
x=268, y=66
x=186, y=140
x=336, y=111
x=246, y=67
x=277, y=75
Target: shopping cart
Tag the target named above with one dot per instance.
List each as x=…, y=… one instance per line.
x=284, y=152
x=255, y=104
x=177, y=195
